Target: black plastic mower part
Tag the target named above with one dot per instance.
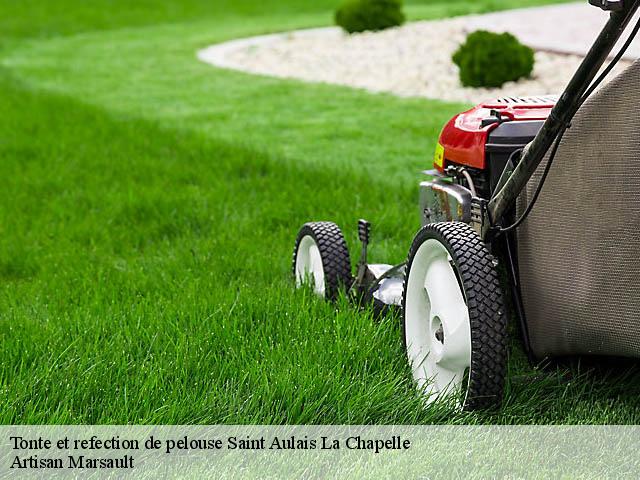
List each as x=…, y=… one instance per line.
x=516, y=294
x=364, y=230
x=494, y=117
x=503, y=141
x=362, y=274
x=608, y=5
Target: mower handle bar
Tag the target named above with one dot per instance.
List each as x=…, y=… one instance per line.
x=560, y=116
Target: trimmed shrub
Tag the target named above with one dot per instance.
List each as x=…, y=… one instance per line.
x=361, y=15
x=488, y=59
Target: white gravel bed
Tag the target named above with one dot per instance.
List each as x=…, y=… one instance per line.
x=410, y=61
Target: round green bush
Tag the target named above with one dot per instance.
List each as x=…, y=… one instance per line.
x=361, y=15
x=489, y=59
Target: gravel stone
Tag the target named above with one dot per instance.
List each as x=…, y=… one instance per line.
x=410, y=61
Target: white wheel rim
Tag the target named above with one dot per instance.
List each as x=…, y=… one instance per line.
x=309, y=269
x=437, y=330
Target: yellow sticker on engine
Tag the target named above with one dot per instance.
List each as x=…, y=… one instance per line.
x=438, y=160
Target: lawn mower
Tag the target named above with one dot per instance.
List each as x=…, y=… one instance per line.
x=567, y=268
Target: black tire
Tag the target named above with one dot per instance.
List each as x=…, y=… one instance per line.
x=336, y=262
x=478, y=280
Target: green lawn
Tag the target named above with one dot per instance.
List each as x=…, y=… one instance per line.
x=147, y=216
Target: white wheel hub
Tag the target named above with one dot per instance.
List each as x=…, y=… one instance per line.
x=309, y=269
x=437, y=330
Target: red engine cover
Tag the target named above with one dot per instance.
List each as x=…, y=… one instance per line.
x=463, y=139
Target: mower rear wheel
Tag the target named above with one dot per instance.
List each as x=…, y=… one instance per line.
x=454, y=326
x=321, y=258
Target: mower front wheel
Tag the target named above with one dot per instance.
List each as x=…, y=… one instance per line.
x=321, y=259
x=454, y=326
